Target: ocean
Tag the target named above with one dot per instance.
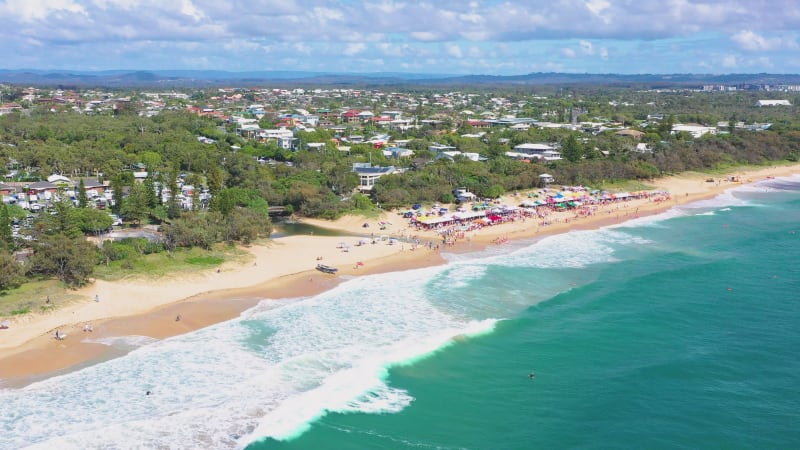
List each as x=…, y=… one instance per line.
x=679, y=330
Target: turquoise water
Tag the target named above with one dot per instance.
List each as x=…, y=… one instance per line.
x=654, y=352
x=675, y=331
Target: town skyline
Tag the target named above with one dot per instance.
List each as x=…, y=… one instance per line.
x=446, y=38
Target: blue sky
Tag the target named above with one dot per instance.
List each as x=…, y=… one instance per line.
x=495, y=37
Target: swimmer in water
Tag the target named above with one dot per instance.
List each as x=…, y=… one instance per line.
x=531, y=375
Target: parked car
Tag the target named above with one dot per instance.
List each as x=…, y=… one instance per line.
x=117, y=220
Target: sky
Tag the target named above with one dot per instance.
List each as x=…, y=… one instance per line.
x=490, y=37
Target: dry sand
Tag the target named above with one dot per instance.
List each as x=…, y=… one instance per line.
x=284, y=268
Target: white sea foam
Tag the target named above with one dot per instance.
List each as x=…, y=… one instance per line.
x=269, y=373
x=125, y=342
x=727, y=198
x=576, y=249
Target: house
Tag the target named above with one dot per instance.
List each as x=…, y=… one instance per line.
x=533, y=148
x=350, y=116
x=636, y=134
x=773, y=103
x=529, y=150
x=397, y=152
x=93, y=187
x=368, y=174
x=463, y=195
x=41, y=187
x=394, y=115
x=40, y=190
x=287, y=143
x=439, y=148
x=694, y=129
x=318, y=146
x=481, y=124
x=59, y=179
x=546, y=179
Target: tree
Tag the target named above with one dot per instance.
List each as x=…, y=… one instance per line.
x=83, y=199
x=11, y=272
x=246, y=225
x=227, y=199
x=6, y=236
x=92, y=220
x=173, y=207
x=117, y=188
x=70, y=259
x=64, y=220
x=195, y=229
x=153, y=199
x=571, y=149
x=136, y=206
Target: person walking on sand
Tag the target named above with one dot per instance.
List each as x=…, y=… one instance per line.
x=97, y=298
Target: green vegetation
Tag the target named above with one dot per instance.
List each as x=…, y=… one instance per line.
x=206, y=183
x=137, y=264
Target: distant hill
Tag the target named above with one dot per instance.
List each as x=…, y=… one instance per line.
x=210, y=78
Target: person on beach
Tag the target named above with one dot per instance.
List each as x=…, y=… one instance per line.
x=97, y=298
x=178, y=318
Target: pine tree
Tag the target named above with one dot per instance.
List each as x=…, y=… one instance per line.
x=153, y=198
x=571, y=149
x=6, y=236
x=117, y=189
x=83, y=200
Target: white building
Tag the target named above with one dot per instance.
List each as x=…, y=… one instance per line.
x=695, y=130
x=773, y=103
x=541, y=151
x=368, y=175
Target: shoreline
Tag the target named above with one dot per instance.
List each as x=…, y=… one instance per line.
x=284, y=268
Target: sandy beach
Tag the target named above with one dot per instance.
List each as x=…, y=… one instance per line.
x=285, y=268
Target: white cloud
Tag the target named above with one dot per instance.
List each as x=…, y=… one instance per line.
x=31, y=10
x=454, y=50
x=354, y=49
x=751, y=41
x=603, y=35
x=301, y=47
x=189, y=9
x=425, y=35
x=586, y=47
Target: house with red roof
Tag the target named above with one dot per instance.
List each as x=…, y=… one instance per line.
x=350, y=116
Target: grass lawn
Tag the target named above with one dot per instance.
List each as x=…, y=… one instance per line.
x=32, y=296
x=165, y=264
